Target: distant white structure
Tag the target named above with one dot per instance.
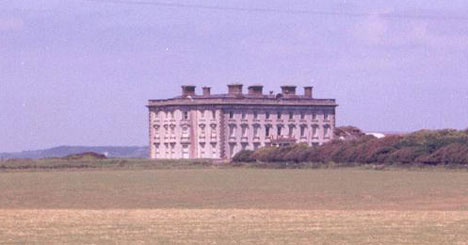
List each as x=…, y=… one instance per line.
x=377, y=135
x=220, y=125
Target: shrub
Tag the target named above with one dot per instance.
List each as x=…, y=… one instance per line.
x=451, y=154
x=244, y=156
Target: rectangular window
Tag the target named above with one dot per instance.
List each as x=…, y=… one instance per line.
x=325, y=116
x=302, y=115
x=213, y=150
x=279, y=115
x=185, y=151
x=172, y=150
x=202, y=150
x=232, y=131
x=278, y=131
x=231, y=115
x=314, y=116
x=255, y=115
x=244, y=131
x=267, y=115
x=202, y=114
x=186, y=115
x=255, y=131
x=232, y=149
x=213, y=114
x=291, y=115
x=267, y=131
x=314, y=131
x=325, y=131
x=243, y=115
x=302, y=131
x=291, y=131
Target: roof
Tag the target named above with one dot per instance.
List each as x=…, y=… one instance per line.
x=243, y=99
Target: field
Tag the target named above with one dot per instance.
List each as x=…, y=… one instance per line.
x=235, y=205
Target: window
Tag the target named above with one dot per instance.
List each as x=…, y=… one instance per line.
x=213, y=150
x=267, y=131
x=202, y=150
x=255, y=131
x=314, y=116
x=325, y=116
x=267, y=115
x=202, y=114
x=232, y=149
x=279, y=131
x=185, y=151
x=302, y=131
x=213, y=114
x=326, y=130
x=232, y=130
x=166, y=147
x=279, y=115
x=244, y=131
x=172, y=150
x=185, y=132
x=302, y=115
x=231, y=114
x=291, y=130
x=291, y=115
x=243, y=115
x=213, y=130
x=172, y=130
x=202, y=130
x=314, y=131
x=255, y=115
x=185, y=115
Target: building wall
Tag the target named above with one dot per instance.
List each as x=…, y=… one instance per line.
x=220, y=132
x=180, y=132
x=246, y=128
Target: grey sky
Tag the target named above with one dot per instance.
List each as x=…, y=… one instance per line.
x=79, y=72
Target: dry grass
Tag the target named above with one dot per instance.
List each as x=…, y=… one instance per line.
x=233, y=226
x=231, y=206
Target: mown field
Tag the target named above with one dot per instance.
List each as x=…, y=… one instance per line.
x=235, y=205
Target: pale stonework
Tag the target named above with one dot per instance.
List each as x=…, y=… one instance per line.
x=219, y=125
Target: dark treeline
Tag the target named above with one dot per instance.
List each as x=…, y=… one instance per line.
x=432, y=147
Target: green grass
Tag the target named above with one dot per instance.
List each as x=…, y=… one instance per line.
x=235, y=205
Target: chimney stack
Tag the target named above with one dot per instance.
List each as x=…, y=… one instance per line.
x=188, y=90
x=235, y=89
x=256, y=90
x=206, y=91
x=288, y=91
x=308, y=91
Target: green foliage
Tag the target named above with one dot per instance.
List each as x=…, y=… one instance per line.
x=244, y=156
x=447, y=146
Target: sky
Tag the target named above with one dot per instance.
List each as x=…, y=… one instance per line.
x=80, y=72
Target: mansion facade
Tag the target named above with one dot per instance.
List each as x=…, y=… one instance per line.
x=218, y=126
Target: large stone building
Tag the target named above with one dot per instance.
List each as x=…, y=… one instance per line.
x=220, y=125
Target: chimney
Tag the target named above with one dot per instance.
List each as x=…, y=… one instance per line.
x=206, y=91
x=288, y=91
x=308, y=91
x=188, y=90
x=235, y=89
x=256, y=90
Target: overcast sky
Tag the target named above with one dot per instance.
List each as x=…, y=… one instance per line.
x=75, y=72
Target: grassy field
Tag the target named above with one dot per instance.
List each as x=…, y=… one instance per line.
x=256, y=206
